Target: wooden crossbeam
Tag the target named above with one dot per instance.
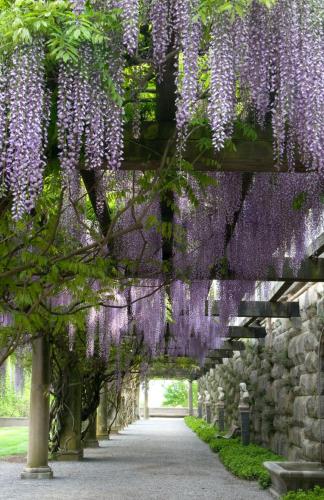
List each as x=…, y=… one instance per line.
x=311, y=269
x=220, y=353
x=247, y=332
x=260, y=309
x=171, y=373
x=247, y=156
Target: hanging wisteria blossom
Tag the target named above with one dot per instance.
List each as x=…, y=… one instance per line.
x=23, y=161
x=160, y=16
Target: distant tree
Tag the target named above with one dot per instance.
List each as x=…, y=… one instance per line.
x=176, y=394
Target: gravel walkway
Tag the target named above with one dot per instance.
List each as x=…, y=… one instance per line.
x=158, y=459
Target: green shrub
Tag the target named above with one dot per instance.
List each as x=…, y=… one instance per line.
x=245, y=462
x=217, y=444
x=315, y=494
x=205, y=431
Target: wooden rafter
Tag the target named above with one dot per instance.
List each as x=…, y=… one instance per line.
x=261, y=309
x=247, y=332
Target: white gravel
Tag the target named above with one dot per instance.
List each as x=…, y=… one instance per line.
x=158, y=459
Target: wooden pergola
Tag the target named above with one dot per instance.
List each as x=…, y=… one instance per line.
x=249, y=158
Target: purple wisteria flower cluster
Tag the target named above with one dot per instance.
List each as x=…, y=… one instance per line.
x=24, y=114
x=276, y=55
x=78, y=6
x=88, y=118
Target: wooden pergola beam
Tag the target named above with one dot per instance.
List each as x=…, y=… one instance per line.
x=260, y=309
x=231, y=345
x=247, y=156
x=247, y=332
x=220, y=354
x=171, y=373
x=311, y=269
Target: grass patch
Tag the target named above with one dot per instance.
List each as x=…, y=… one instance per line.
x=245, y=462
x=315, y=494
x=13, y=440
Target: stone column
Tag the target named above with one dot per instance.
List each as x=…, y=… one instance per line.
x=102, y=415
x=37, y=458
x=114, y=401
x=70, y=437
x=208, y=412
x=91, y=440
x=220, y=406
x=200, y=412
x=137, y=402
x=244, y=409
x=146, y=394
x=190, y=398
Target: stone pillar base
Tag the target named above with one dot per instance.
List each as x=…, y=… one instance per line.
x=245, y=424
x=69, y=456
x=102, y=437
x=37, y=473
x=91, y=443
x=221, y=415
x=208, y=413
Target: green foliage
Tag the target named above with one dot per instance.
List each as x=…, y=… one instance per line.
x=315, y=494
x=176, y=394
x=209, y=8
x=13, y=404
x=245, y=462
x=205, y=431
x=23, y=20
x=299, y=201
x=13, y=441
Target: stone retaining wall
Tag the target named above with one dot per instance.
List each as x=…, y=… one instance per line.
x=282, y=376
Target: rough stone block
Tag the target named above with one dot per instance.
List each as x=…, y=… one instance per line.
x=296, y=436
x=311, y=450
x=285, y=402
x=308, y=384
x=280, y=343
x=295, y=374
x=320, y=307
x=313, y=429
x=275, y=389
x=263, y=383
x=300, y=410
x=279, y=444
x=312, y=407
x=295, y=453
x=296, y=349
x=311, y=362
x=278, y=371
x=309, y=298
x=281, y=424
x=265, y=366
